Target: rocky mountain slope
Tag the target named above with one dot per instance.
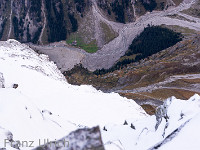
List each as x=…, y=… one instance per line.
x=111, y=52
x=120, y=37
x=38, y=105
x=135, y=80
x=44, y=21
x=171, y=72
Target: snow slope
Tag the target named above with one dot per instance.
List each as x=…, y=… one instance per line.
x=44, y=105
x=180, y=131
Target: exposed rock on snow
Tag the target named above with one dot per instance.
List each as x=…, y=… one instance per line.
x=177, y=121
x=161, y=112
x=10, y=140
x=81, y=139
x=1, y=80
x=15, y=86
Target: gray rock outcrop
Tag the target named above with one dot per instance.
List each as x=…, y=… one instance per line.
x=1, y=80
x=81, y=139
x=161, y=112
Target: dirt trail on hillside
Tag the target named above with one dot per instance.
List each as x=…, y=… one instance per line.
x=162, y=85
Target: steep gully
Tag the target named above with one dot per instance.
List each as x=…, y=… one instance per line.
x=10, y=18
x=45, y=21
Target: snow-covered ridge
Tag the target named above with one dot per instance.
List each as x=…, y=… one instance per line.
x=24, y=56
x=36, y=102
x=175, y=126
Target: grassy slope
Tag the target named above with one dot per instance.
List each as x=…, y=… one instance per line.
x=90, y=47
x=109, y=34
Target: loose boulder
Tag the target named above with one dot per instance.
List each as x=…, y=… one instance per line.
x=15, y=86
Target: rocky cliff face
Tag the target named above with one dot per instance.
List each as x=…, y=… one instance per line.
x=21, y=20
x=119, y=10
x=44, y=21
